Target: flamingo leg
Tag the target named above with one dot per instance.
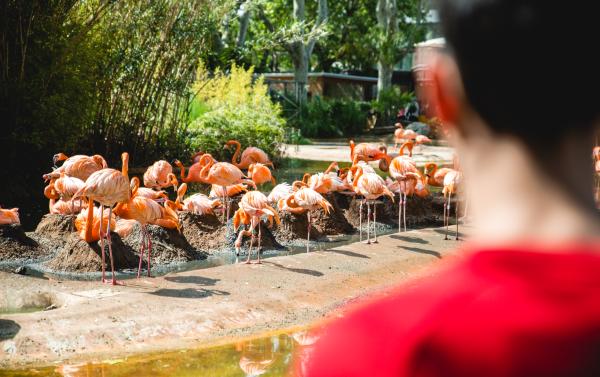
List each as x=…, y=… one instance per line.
x=368, y=223
x=149, y=250
x=251, y=244
x=375, y=222
x=456, y=210
x=110, y=253
x=445, y=208
x=308, y=232
x=448, y=216
x=360, y=219
x=101, y=241
x=259, y=238
x=404, y=209
x=142, y=246
x=225, y=213
x=400, y=213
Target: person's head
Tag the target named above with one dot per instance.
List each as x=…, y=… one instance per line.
x=521, y=75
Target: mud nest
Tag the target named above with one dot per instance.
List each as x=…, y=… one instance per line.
x=18, y=247
x=206, y=233
x=80, y=256
x=168, y=245
x=54, y=231
x=267, y=240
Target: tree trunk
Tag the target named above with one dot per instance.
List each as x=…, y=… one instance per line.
x=301, y=53
x=387, y=23
x=244, y=16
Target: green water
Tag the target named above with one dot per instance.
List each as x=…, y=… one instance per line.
x=267, y=356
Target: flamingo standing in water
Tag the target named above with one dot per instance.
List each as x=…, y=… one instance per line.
x=79, y=166
x=160, y=175
x=371, y=186
x=450, y=180
x=251, y=155
x=9, y=216
x=108, y=187
x=404, y=171
x=304, y=199
x=222, y=174
x=255, y=205
x=260, y=174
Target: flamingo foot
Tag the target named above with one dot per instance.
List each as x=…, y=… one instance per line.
x=112, y=281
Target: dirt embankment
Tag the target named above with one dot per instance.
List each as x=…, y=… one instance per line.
x=56, y=243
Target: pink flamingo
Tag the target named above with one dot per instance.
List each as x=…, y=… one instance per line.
x=222, y=174
x=79, y=166
x=450, y=180
x=9, y=216
x=108, y=187
x=160, y=175
x=404, y=171
x=254, y=204
x=371, y=186
x=251, y=155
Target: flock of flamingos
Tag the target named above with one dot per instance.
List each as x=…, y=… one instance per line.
x=81, y=181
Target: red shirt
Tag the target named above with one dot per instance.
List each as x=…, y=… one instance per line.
x=497, y=313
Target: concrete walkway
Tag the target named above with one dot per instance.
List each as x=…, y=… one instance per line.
x=208, y=306
x=341, y=153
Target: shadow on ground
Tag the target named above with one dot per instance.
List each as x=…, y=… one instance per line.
x=349, y=253
x=297, y=270
x=8, y=329
x=410, y=239
x=192, y=280
x=189, y=293
x=422, y=251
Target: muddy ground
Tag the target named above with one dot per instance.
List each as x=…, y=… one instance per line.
x=60, y=249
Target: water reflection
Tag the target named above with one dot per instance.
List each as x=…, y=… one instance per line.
x=270, y=356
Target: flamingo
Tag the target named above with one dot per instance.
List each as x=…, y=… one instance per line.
x=198, y=204
x=59, y=206
x=254, y=204
x=325, y=182
x=160, y=175
x=450, y=180
x=9, y=216
x=260, y=174
x=251, y=155
x=79, y=166
x=194, y=170
x=66, y=187
x=222, y=174
x=87, y=223
x=369, y=152
x=159, y=196
x=281, y=191
x=401, y=134
x=304, y=199
x=371, y=186
x=404, y=171
x=230, y=191
x=108, y=187
x=145, y=211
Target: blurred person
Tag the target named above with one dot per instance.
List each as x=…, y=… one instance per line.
x=523, y=297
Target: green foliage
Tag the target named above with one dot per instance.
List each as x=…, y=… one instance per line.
x=390, y=102
x=236, y=108
x=323, y=118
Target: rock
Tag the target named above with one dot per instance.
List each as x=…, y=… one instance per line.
x=21, y=270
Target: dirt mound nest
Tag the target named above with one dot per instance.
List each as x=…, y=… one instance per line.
x=168, y=245
x=17, y=247
x=53, y=231
x=294, y=227
x=206, y=233
x=267, y=240
x=335, y=223
x=80, y=256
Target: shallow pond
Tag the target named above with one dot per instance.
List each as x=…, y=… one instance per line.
x=267, y=356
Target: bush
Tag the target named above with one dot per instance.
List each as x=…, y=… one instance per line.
x=322, y=118
x=389, y=103
x=233, y=107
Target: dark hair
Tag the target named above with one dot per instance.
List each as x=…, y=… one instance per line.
x=529, y=67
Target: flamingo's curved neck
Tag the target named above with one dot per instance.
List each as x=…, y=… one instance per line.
x=125, y=166
x=359, y=173
x=236, y=156
x=180, y=193
x=135, y=185
x=352, y=149
x=206, y=168
x=305, y=178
